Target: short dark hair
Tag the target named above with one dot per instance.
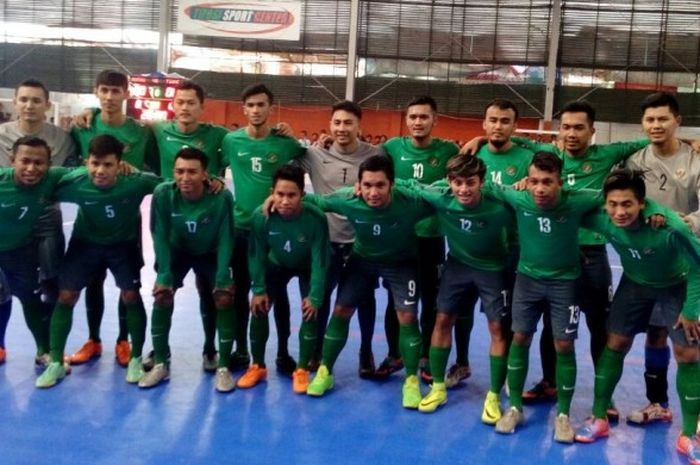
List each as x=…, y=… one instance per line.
x=502, y=104
x=466, y=167
x=662, y=99
x=33, y=83
x=191, y=153
x=111, y=77
x=377, y=163
x=546, y=161
x=626, y=179
x=350, y=107
x=580, y=106
x=104, y=145
x=255, y=89
x=289, y=173
x=31, y=141
x=191, y=85
x=423, y=100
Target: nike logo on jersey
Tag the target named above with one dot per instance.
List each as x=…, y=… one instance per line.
x=171, y=139
x=692, y=398
x=361, y=222
x=7, y=205
x=405, y=158
x=243, y=154
x=275, y=233
x=88, y=202
x=527, y=214
x=175, y=215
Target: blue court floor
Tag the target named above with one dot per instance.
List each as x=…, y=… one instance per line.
x=94, y=417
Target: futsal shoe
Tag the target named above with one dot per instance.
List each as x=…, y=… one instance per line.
x=388, y=366
x=435, y=398
x=563, y=432
x=134, y=371
x=650, y=414
x=239, y=361
x=456, y=374
x=492, y=409
x=410, y=391
x=158, y=374
x=3, y=355
x=366, y=369
x=253, y=375
x=509, y=421
x=54, y=373
x=87, y=352
x=286, y=365
x=210, y=362
x=322, y=382
x=690, y=447
x=593, y=429
x=224, y=381
x=300, y=381
x=122, y=353
x=540, y=392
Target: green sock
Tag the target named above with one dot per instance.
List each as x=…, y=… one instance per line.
x=688, y=386
x=207, y=311
x=224, y=325
x=95, y=308
x=607, y=374
x=438, y=362
x=61, y=322
x=410, y=347
x=136, y=322
x=161, y=320
x=259, y=333
x=517, y=372
x=566, y=381
x=241, y=317
x=123, y=313
x=38, y=324
x=499, y=370
x=307, y=342
x=334, y=340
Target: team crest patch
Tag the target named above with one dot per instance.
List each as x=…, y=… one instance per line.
x=126, y=201
x=587, y=167
x=680, y=173
x=511, y=170
x=199, y=143
x=272, y=158
x=648, y=251
x=127, y=148
x=205, y=220
x=481, y=224
x=433, y=161
x=301, y=238
x=562, y=219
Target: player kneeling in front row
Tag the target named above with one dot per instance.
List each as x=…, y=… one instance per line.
x=476, y=230
x=655, y=277
x=104, y=237
x=293, y=241
x=192, y=230
x=383, y=216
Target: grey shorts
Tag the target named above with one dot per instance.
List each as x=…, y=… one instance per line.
x=359, y=277
x=457, y=286
x=635, y=307
x=560, y=294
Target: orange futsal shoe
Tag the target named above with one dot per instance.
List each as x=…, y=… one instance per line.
x=87, y=352
x=300, y=380
x=122, y=352
x=252, y=376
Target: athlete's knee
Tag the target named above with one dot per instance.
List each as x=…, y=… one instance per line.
x=68, y=297
x=163, y=299
x=619, y=343
x=444, y=322
x=522, y=339
x=563, y=346
x=406, y=318
x=130, y=296
x=686, y=354
x=341, y=311
x=657, y=336
x=223, y=300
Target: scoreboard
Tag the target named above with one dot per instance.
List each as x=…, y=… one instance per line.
x=151, y=97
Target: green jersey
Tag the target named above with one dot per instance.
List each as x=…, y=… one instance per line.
x=549, y=246
x=656, y=258
x=299, y=243
x=139, y=145
x=476, y=236
x=505, y=168
x=21, y=207
x=253, y=163
x=207, y=138
x=589, y=170
x=424, y=164
x=194, y=227
x=381, y=234
x=106, y=216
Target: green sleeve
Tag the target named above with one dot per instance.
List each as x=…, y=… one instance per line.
x=224, y=250
x=535, y=147
x=597, y=221
x=691, y=306
x=328, y=203
x=160, y=223
x=621, y=151
x=320, y=265
x=257, y=254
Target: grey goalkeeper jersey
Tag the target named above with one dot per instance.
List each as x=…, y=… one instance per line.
x=673, y=181
x=330, y=170
x=63, y=149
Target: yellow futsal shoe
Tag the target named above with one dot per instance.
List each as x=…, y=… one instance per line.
x=411, y=392
x=492, y=409
x=435, y=398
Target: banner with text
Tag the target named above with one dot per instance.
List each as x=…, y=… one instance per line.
x=246, y=19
